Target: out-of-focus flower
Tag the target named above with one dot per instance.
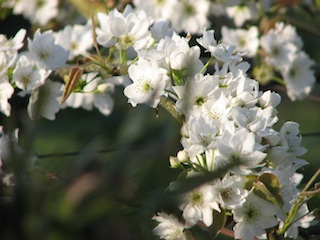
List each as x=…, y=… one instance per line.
x=45, y=52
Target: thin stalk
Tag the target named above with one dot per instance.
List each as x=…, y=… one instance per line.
x=295, y=207
x=168, y=105
x=279, y=80
x=207, y=64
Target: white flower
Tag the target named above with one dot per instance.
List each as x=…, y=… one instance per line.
x=207, y=39
x=27, y=75
x=13, y=44
x=174, y=53
x=246, y=41
x=190, y=16
x=269, y=98
x=242, y=13
x=44, y=101
x=9, y=50
x=298, y=76
x=169, y=227
x=77, y=39
x=223, y=52
x=201, y=135
x=156, y=9
x=160, y=29
x=198, y=205
x=36, y=11
x=6, y=91
x=253, y=218
x=149, y=81
x=277, y=49
x=45, y=52
x=195, y=93
x=288, y=33
x=290, y=137
x=229, y=192
x=239, y=148
x=127, y=29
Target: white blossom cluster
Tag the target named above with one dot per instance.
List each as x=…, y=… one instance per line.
x=227, y=120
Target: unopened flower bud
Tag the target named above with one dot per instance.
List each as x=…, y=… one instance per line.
x=104, y=87
x=182, y=156
x=174, y=162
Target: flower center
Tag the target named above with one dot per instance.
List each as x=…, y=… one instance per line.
x=199, y=101
x=292, y=72
x=252, y=213
x=44, y=54
x=189, y=10
x=174, y=233
x=235, y=158
x=275, y=51
x=226, y=194
x=196, y=198
x=128, y=40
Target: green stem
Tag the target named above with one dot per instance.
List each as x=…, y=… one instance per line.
x=168, y=105
x=312, y=179
x=207, y=64
x=295, y=207
x=122, y=55
x=279, y=80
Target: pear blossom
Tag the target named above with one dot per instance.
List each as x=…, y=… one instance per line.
x=190, y=16
x=76, y=39
x=9, y=50
x=241, y=149
x=277, y=49
x=160, y=30
x=198, y=204
x=35, y=11
x=27, y=75
x=246, y=41
x=269, y=98
x=44, y=100
x=169, y=227
x=229, y=191
x=298, y=76
x=242, y=13
x=174, y=53
x=158, y=10
x=196, y=92
x=6, y=91
x=148, y=83
x=288, y=33
x=253, y=217
x=223, y=52
x=127, y=29
x=13, y=44
x=201, y=135
x=46, y=52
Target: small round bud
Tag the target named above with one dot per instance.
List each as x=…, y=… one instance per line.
x=174, y=162
x=182, y=156
x=104, y=87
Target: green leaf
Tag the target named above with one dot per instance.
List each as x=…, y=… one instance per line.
x=267, y=186
x=219, y=221
x=88, y=8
